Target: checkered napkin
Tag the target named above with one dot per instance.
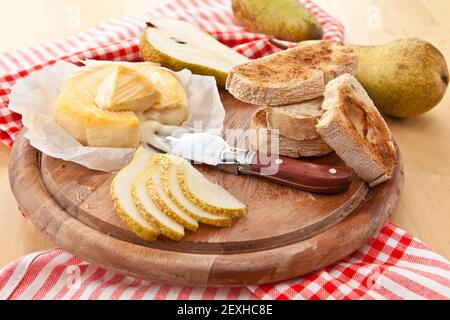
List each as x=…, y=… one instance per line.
x=118, y=40
x=393, y=265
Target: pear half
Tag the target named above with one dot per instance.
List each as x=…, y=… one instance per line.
x=169, y=182
x=150, y=211
x=177, y=44
x=163, y=201
x=284, y=19
x=209, y=196
x=120, y=190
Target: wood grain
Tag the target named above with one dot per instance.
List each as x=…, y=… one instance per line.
x=198, y=269
x=284, y=227
x=277, y=214
x=424, y=207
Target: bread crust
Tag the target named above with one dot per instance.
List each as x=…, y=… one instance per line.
x=291, y=76
x=263, y=139
x=296, y=121
x=353, y=127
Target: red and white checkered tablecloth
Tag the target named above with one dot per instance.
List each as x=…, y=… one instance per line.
x=118, y=40
x=394, y=265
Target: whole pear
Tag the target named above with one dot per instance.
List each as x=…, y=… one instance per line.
x=404, y=78
x=284, y=19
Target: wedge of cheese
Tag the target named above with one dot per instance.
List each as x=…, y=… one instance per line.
x=166, y=81
x=173, y=108
x=172, y=92
x=120, y=190
x=126, y=89
x=77, y=113
x=169, y=182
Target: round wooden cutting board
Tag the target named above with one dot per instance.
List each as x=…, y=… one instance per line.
x=285, y=234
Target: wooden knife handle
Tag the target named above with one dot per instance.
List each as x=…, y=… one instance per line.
x=301, y=174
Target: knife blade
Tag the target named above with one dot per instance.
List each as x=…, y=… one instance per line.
x=206, y=148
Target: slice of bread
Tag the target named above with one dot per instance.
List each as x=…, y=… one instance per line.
x=264, y=139
x=296, y=121
x=353, y=127
x=291, y=76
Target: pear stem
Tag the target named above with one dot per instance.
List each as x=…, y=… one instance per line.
x=277, y=44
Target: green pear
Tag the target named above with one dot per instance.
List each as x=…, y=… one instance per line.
x=177, y=44
x=284, y=19
x=404, y=78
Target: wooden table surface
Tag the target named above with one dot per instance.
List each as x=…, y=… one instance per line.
x=424, y=141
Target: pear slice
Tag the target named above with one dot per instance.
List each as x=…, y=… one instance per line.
x=126, y=89
x=150, y=211
x=169, y=182
x=209, y=196
x=177, y=44
x=120, y=190
x=162, y=200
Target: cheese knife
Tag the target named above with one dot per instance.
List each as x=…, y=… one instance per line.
x=206, y=148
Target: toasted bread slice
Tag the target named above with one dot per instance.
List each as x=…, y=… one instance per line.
x=264, y=139
x=296, y=121
x=353, y=127
x=291, y=76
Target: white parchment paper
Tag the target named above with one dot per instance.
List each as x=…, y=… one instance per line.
x=34, y=98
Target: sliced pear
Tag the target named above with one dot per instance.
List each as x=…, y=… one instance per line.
x=177, y=44
x=150, y=211
x=162, y=200
x=209, y=196
x=120, y=191
x=126, y=89
x=169, y=182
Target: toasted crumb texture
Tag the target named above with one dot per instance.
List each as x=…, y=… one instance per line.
x=353, y=127
x=291, y=76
